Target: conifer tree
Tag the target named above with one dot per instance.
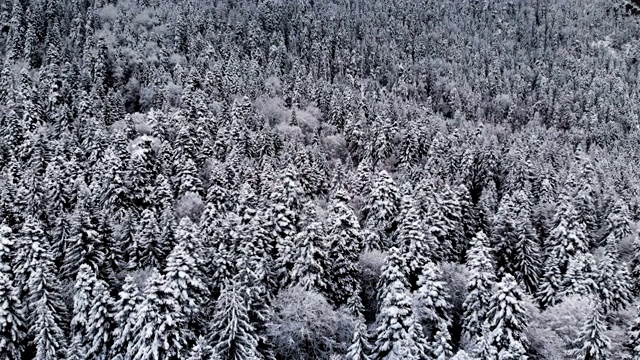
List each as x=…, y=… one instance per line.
x=614, y=284
x=232, y=334
x=151, y=250
x=344, y=239
x=592, y=342
x=80, y=338
x=479, y=286
x=100, y=322
x=381, y=207
x=46, y=312
x=633, y=338
x=129, y=300
x=359, y=348
x=310, y=266
x=12, y=321
x=159, y=331
x=395, y=319
x=507, y=318
x=183, y=276
x=413, y=242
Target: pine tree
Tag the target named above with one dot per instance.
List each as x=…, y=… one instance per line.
x=479, y=286
x=592, y=342
x=202, y=351
x=507, y=318
x=441, y=345
x=12, y=322
x=233, y=335
x=433, y=306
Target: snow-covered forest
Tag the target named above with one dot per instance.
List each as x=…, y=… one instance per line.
x=319, y=179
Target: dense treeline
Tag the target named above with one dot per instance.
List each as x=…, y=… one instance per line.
x=345, y=179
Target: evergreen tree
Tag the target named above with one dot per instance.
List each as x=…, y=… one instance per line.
x=507, y=318
x=129, y=300
x=381, y=207
x=185, y=279
x=633, y=338
x=47, y=313
x=344, y=239
x=151, y=250
x=395, y=319
x=310, y=266
x=413, y=242
x=479, y=286
x=80, y=338
x=12, y=322
x=159, y=331
x=232, y=334
x=100, y=322
x=614, y=284
x=592, y=342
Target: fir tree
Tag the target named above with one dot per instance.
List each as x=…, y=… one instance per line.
x=151, y=250
x=232, y=334
x=479, y=286
x=382, y=204
x=159, y=328
x=129, y=300
x=395, y=319
x=310, y=267
x=592, y=342
x=507, y=318
x=413, y=242
x=344, y=239
x=633, y=338
x=12, y=322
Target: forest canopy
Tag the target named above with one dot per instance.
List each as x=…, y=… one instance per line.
x=340, y=179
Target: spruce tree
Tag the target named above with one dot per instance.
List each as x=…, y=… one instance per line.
x=129, y=300
x=344, y=239
x=100, y=322
x=395, y=319
x=150, y=247
x=310, y=266
x=233, y=336
x=159, y=331
x=479, y=286
x=592, y=342
x=411, y=239
x=382, y=204
x=632, y=342
x=12, y=321
x=507, y=319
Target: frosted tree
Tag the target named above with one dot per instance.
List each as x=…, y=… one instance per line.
x=85, y=283
x=129, y=300
x=507, y=319
x=12, y=321
x=233, y=337
x=310, y=267
x=46, y=313
x=202, y=351
x=150, y=248
x=344, y=239
x=100, y=322
x=614, y=284
x=633, y=338
x=359, y=348
x=381, y=207
x=395, y=319
x=159, y=331
x=184, y=278
x=581, y=276
x=412, y=240
x=479, y=286
x=592, y=342
x=433, y=307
